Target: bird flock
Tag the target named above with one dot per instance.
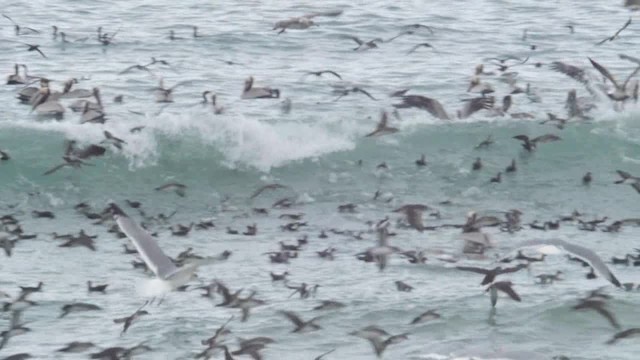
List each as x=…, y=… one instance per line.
x=178, y=273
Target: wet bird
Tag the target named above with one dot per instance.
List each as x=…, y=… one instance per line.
x=382, y=128
x=497, y=178
x=511, y=167
x=587, y=178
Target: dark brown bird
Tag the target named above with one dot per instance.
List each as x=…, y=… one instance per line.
x=490, y=274
x=586, y=179
x=505, y=287
x=96, y=288
x=531, y=144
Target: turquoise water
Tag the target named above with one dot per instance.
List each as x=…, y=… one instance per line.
x=315, y=150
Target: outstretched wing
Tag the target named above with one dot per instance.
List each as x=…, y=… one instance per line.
x=146, y=245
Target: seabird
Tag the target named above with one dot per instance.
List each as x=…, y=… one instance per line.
x=511, y=167
x=615, y=36
x=78, y=307
x=297, y=23
x=31, y=47
x=419, y=46
x=477, y=164
x=127, y=321
x=625, y=334
x=552, y=246
x=485, y=143
x=301, y=325
x=251, y=92
x=597, y=305
x=505, y=287
x=422, y=102
x=76, y=347
x=620, y=93
x=572, y=71
x=531, y=144
x=178, y=188
x=413, y=214
x=586, y=179
x=549, y=278
x=168, y=276
x=490, y=274
x=362, y=45
x=260, y=190
x=344, y=92
x=402, y=286
x=476, y=104
x=497, y=178
x=330, y=305
x=15, y=78
x=424, y=317
x=96, y=288
x=319, y=73
x=382, y=128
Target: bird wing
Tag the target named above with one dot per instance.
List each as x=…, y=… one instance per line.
x=622, y=28
x=357, y=40
x=630, y=76
x=636, y=186
x=293, y=318
x=89, y=151
x=608, y=315
x=55, y=168
x=41, y=53
x=332, y=73
x=546, y=138
x=476, y=104
x=604, y=72
x=435, y=108
x=512, y=269
x=473, y=269
x=582, y=252
x=414, y=217
x=572, y=71
x=629, y=58
x=146, y=245
x=366, y=93
x=506, y=288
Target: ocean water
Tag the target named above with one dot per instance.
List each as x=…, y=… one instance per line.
x=316, y=151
